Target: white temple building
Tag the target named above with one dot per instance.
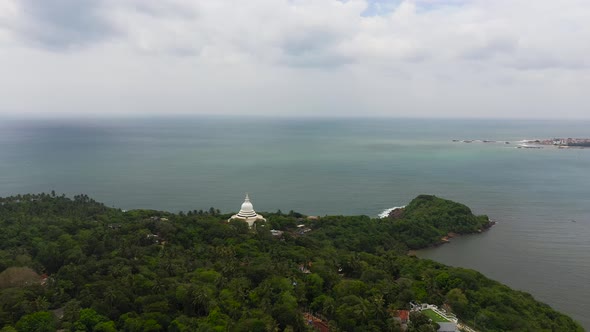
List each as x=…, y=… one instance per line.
x=247, y=213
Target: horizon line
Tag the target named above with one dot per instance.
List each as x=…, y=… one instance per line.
x=145, y=116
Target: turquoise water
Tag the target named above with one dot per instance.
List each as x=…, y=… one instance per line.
x=337, y=166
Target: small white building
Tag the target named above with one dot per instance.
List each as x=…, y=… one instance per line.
x=275, y=232
x=247, y=213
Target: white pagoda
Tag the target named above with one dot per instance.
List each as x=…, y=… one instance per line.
x=247, y=213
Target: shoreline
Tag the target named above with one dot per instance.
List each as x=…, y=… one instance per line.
x=451, y=235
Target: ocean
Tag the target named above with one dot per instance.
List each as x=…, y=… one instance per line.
x=539, y=197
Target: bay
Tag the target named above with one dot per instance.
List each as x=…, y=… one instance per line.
x=321, y=166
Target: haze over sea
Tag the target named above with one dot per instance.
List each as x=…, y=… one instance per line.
x=337, y=166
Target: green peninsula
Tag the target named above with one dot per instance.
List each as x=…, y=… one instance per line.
x=76, y=265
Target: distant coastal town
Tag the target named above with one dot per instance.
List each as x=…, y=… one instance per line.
x=561, y=143
x=564, y=142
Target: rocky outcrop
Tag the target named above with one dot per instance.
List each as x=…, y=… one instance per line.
x=396, y=213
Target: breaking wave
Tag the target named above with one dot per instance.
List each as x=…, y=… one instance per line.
x=386, y=212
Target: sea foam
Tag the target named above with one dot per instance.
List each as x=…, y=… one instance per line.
x=386, y=212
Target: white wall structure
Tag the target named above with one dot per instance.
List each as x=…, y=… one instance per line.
x=447, y=327
x=450, y=326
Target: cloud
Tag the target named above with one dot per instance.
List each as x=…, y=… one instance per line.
x=549, y=61
x=60, y=24
x=332, y=56
x=491, y=47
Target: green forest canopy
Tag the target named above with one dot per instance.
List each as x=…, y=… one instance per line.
x=77, y=265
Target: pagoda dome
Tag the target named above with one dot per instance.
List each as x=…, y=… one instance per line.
x=247, y=213
x=247, y=207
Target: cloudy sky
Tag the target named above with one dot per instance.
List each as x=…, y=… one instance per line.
x=420, y=58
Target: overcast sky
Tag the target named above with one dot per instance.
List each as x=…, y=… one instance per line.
x=421, y=58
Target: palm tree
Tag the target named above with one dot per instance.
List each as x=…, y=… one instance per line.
x=200, y=300
x=378, y=301
x=110, y=296
x=328, y=307
x=158, y=285
x=40, y=303
x=361, y=309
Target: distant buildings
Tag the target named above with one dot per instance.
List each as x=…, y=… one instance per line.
x=304, y=268
x=565, y=142
x=316, y=323
x=403, y=317
x=276, y=232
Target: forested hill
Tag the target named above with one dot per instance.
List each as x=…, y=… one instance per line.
x=77, y=265
x=427, y=218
